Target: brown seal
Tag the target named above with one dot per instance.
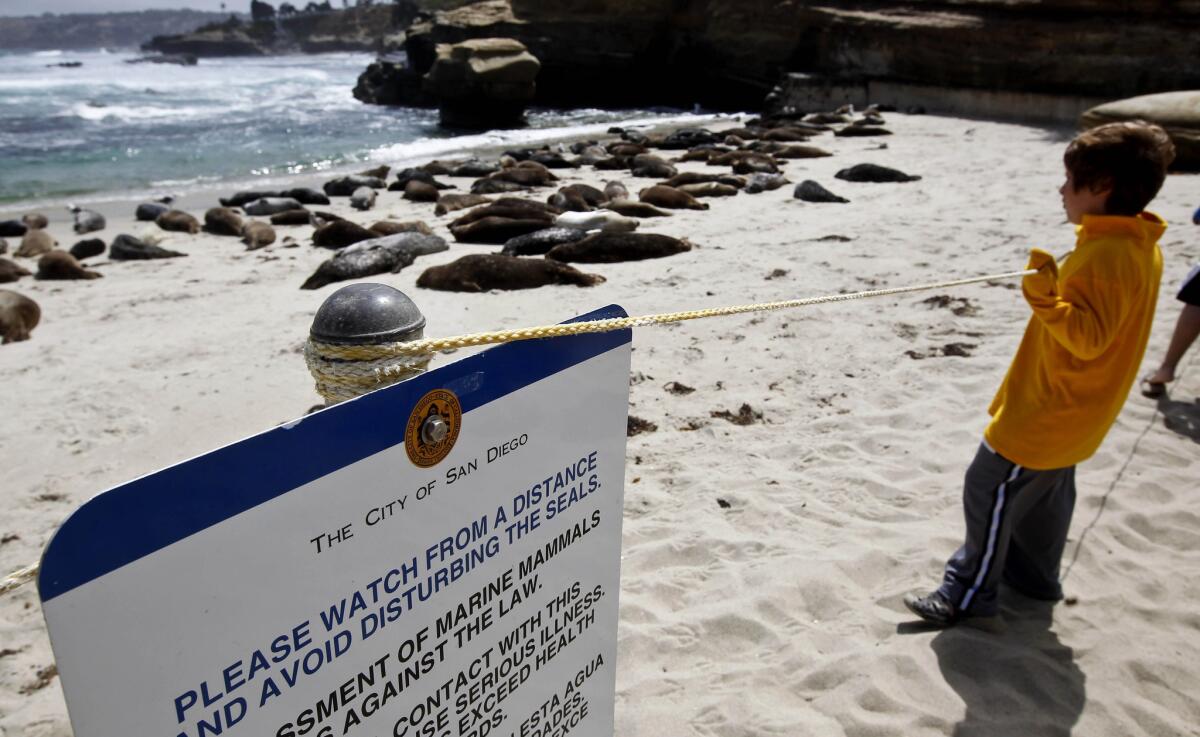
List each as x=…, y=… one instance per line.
x=341, y=233
x=418, y=191
x=651, y=166
x=35, y=221
x=526, y=176
x=590, y=194
x=635, y=209
x=222, y=221
x=670, y=198
x=36, y=242
x=692, y=177
x=11, y=271
x=565, y=199
x=391, y=227
x=483, y=272
x=495, y=230
x=257, y=235
x=179, y=221
x=708, y=189
x=451, y=202
x=607, y=248
x=379, y=172
x=509, y=207
x=62, y=265
x=292, y=217
x=19, y=315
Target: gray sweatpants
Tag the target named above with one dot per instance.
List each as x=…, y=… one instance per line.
x=1017, y=522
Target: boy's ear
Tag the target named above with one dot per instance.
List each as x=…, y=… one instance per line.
x=1102, y=186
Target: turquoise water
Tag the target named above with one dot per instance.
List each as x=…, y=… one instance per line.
x=110, y=129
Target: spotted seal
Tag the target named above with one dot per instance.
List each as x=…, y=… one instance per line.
x=376, y=256
x=538, y=242
x=87, y=221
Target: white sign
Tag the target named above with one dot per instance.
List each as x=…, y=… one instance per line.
x=326, y=578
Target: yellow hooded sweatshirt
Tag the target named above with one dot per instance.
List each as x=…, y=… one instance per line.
x=1083, y=346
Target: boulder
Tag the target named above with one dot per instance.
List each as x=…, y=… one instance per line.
x=483, y=83
x=1177, y=112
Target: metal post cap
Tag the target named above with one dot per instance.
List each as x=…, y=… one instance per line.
x=367, y=313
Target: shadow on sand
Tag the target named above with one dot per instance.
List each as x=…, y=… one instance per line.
x=1181, y=417
x=1019, y=680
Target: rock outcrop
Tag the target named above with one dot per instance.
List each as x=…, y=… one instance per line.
x=483, y=83
x=729, y=53
x=1177, y=112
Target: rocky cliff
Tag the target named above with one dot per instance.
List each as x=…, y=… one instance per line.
x=729, y=53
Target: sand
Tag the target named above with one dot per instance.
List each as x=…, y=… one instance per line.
x=763, y=564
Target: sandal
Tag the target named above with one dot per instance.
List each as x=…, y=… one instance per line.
x=1153, y=389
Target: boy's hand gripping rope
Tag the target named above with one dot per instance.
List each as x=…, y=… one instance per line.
x=344, y=372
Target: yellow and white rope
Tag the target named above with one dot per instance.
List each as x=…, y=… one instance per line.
x=343, y=372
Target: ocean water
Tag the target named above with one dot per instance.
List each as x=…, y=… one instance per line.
x=110, y=130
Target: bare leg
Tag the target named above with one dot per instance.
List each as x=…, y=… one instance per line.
x=1186, y=330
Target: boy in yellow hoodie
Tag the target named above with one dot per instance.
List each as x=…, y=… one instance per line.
x=1070, y=376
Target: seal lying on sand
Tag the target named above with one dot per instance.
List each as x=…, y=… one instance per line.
x=178, y=220
x=670, y=198
x=615, y=190
x=810, y=191
x=651, y=166
x=635, y=209
x=376, y=256
x=36, y=242
x=600, y=220
x=363, y=198
x=62, y=265
x=451, y=202
x=708, y=189
x=379, y=172
x=305, y=196
x=874, y=173
x=149, y=211
x=484, y=272
x=341, y=233
x=12, y=271
x=495, y=230
x=345, y=186
x=271, y=205
x=87, y=221
x=693, y=177
x=537, y=243
x=222, y=221
x=257, y=235
x=88, y=248
x=127, y=248
x=418, y=191
x=565, y=199
x=391, y=227
x=762, y=182
x=19, y=315
x=292, y=217
x=12, y=229
x=509, y=207
x=35, y=221
x=405, y=176
x=495, y=186
x=526, y=176
x=250, y=195
x=607, y=248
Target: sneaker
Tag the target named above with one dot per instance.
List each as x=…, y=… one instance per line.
x=933, y=608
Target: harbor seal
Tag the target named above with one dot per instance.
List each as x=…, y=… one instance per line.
x=565, y=200
x=861, y=131
x=149, y=211
x=271, y=205
x=761, y=182
x=810, y=191
x=552, y=160
x=345, y=186
x=652, y=167
x=495, y=186
x=695, y=177
x=257, y=235
x=474, y=168
x=178, y=221
x=404, y=176
x=753, y=163
x=305, y=196
x=495, y=230
x=874, y=173
x=88, y=248
x=524, y=175
x=634, y=209
x=590, y=194
x=379, y=172
x=538, y=242
x=36, y=242
x=222, y=221
x=12, y=229
x=509, y=207
x=292, y=217
x=670, y=198
x=62, y=265
x=451, y=202
x=607, y=248
x=418, y=191
x=615, y=190
x=687, y=137
x=341, y=233
x=363, y=198
x=35, y=220
x=376, y=256
x=11, y=271
x=391, y=227
x=19, y=315
x=484, y=272
x=127, y=248
x=242, y=197
x=87, y=221
x=708, y=189
x=599, y=220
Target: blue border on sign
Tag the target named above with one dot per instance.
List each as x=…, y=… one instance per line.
x=147, y=514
